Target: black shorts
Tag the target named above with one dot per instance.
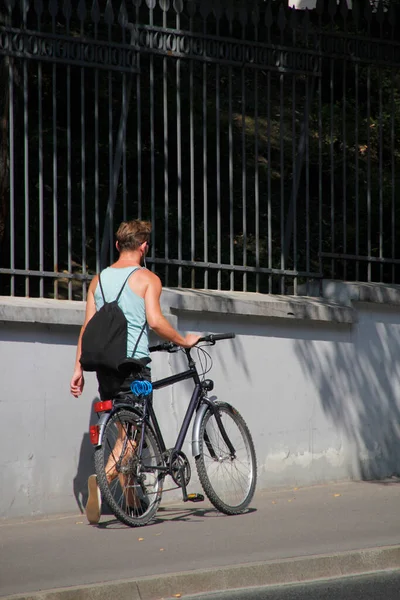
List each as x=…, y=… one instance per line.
x=115, y=387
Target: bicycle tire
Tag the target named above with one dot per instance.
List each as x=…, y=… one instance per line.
x=225, y=481
x=133, y=500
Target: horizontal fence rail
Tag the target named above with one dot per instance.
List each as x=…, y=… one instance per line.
x=261, y=141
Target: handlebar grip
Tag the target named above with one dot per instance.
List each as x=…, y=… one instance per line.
x=163, y=347
x=222, y=336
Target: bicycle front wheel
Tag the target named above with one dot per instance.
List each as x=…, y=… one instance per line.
x=228, y=476
x=130, y=484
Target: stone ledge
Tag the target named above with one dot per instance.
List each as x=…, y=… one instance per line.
x=258, y=305
x=42, y=310
x=69, y=312
x=347, y=292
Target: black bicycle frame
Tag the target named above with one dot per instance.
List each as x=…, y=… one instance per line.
x=149, y=414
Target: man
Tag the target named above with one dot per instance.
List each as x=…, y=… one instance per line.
x=140, y=302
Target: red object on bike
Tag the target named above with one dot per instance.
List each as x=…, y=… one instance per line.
x=103, y=406
x=94, y=432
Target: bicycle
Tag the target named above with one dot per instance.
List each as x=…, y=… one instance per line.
x=132, y=461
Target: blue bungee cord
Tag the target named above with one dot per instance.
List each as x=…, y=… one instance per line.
x=141, y=388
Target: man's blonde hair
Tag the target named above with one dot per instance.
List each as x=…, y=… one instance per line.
x=131, y=234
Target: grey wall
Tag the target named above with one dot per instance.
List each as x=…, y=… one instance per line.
x=321, y=397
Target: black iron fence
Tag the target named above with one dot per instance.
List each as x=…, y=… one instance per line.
x=261, y=141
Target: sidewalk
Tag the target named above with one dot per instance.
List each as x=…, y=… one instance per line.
x=263, y=546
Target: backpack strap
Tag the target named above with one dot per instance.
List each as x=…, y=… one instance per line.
x=101, y=289
x=124, y=284
x=138, y=340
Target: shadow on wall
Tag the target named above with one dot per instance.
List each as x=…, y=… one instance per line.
x=358, y=383
x=85, y=464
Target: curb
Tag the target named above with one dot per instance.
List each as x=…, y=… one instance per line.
x=279, y=572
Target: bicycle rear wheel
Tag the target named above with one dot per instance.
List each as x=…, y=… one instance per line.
x=131, y=485
x=228, y=479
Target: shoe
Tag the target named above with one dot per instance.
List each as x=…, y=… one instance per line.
x=93, y=505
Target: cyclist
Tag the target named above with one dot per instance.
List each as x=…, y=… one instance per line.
x=140, y=302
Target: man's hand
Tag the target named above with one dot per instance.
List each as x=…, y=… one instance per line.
x=77, y=382
x=190, y=340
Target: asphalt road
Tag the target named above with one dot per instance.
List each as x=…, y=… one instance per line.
x=377, y=586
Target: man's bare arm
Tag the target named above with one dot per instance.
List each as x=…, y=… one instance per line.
x=78, y=381
x=156, y=320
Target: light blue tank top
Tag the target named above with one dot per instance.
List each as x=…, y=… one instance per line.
x=131, y=304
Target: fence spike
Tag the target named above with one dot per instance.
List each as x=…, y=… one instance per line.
x=380, y=13
x=10, y=4
x=392, y=15
x=243, y=14
x=191, y=8
x=269, y=17
x=344, y=9
x=123, y=15
x=82, y=10
x=332, y=8
x=255, y=16
x=368, y=12
x=53, y=8
x=355, y=13
x=217, y=9
x=205, y=8
x=67, y=10
x=281, y=18
x=24, y=9
x=320, y=7
x=109, y=13
x=38, y=7
x=178, y=6
x=95, y=12
x=164, y=5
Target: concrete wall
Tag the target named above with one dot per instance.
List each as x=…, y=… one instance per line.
x=317, y=381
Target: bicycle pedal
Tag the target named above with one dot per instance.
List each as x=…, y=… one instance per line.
x=195, y=498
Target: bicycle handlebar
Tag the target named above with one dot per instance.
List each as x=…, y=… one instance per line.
x=210, y=338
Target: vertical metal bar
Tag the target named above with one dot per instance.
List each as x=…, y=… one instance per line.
x=357, y=205
x=152, y=145
x=320, y=174
x=179, y=154
x=26, y=172
x=269, y=208
x=192, y=206
x=380, y=174
x=369, y=168
x=83, y=176
x=11, y=169
x=96, y=161
x=218, y=161
x=393, y=178
x=256, y=173
x=230, y=138
x=244, y=174
x=294, y=177
x=282, y=172
x=69, y=182
x=166, y=162
x=139, y=135
x=55, y=178
x=205, y=191
x=344, y=168
x=332, y=165
x=40, y=177
x=307, y=149
x=111, y=191
x=124, y=178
